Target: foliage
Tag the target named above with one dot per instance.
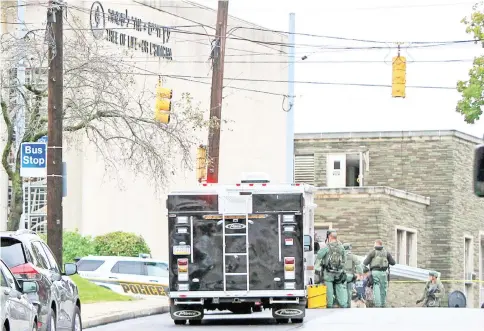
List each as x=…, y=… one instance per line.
x=103, y=104
x=74, y=245
x=472, y=90
x=120, y=244
x=91, y=293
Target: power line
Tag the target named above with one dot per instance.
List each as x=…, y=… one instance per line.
x=284, y=81
x=412, y=45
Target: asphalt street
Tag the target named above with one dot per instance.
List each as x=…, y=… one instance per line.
x=394, y=319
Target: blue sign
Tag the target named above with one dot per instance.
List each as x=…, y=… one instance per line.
x=43, y=139
x=33, y=160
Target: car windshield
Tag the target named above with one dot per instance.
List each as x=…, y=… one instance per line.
x=12, y=252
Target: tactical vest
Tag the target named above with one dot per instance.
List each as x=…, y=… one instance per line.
x=380, y=260
x=350, y=266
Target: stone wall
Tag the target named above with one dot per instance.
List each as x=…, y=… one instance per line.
x=467, y=221
x=362, y=215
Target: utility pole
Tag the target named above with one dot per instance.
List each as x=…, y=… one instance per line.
x=218, y=55
x=290, y=98
x=54, y=131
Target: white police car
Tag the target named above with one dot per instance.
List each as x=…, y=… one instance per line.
x=135, y=276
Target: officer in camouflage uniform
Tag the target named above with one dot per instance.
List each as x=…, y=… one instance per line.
x=379, y=259
x=333, y=259
x=352, y=268
x=433, y=292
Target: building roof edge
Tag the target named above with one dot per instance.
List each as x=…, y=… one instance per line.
x=388, y=134
x=375, y=190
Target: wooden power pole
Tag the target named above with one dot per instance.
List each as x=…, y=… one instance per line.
x=218, y=55
x=54, y=145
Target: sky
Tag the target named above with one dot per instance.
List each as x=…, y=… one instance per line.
x=330, y=108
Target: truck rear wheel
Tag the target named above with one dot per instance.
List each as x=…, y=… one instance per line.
x=297, y=320
x=180, y=322
x=282, y=320
x=195, y=322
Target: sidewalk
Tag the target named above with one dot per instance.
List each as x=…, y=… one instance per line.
x=95, y=314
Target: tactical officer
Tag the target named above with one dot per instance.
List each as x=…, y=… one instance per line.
x=433, y=292
x=333, y=259
x=352, y=268
x=379, y=259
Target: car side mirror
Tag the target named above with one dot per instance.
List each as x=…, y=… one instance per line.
x=479, y=171
x=29, y=287
x=308, y=243
x=70, y=269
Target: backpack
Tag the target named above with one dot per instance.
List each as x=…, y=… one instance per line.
x=335, y=257
x=350, y=264
x=380, y=260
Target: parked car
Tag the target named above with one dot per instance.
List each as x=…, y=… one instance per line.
x=17, y=312
x=57, y=298
x=135, y=276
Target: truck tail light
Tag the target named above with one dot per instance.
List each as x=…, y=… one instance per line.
x=289, y=268
x=182, y=270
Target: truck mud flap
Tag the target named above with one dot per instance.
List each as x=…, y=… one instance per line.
x=288, y=311
x=186, y=312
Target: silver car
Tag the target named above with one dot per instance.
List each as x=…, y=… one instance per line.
x=17, y=313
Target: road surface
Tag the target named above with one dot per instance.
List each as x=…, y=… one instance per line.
x=394, y=319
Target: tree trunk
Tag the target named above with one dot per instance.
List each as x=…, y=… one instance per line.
x=16, y=202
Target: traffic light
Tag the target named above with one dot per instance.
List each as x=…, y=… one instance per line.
x=399, y=73
x=201, y=163
x=163, y=104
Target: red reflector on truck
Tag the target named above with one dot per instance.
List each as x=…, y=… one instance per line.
x=182, y=261
x=289, y=260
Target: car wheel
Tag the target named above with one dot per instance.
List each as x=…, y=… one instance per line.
x=297, y=320
x=51, y=323
x=76, y=320
x=180, y=322
x=195, y=322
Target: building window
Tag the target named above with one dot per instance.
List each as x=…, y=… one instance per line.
x=304, y=169
x=406, y=247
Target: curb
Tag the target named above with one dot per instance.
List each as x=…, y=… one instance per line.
x=124, y=316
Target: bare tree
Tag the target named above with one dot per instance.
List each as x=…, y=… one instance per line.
x=99, y=103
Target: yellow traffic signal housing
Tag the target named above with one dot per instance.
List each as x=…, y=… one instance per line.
x=201, y=163
x=163, y=104
x=399, y=76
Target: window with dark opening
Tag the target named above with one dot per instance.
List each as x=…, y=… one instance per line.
x=337, y=165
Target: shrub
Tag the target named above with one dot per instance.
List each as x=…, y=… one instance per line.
x=74, y=245
x=120, y=244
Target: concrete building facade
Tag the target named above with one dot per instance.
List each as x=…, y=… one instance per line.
x=100, y=201
x=411, y=189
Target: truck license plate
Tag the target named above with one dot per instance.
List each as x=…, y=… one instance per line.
x=181, y=250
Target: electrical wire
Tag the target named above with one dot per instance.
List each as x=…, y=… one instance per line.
x=285, y=81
